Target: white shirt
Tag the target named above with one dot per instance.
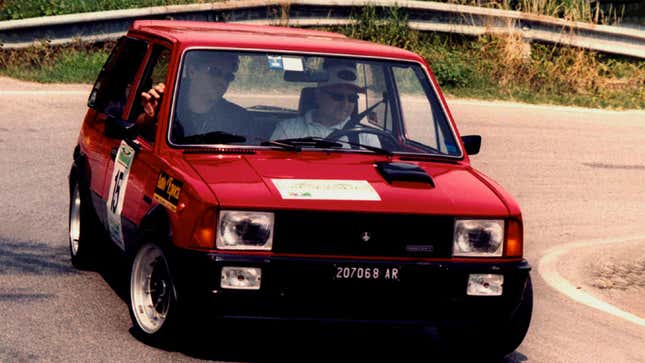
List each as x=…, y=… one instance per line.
x=300, y=126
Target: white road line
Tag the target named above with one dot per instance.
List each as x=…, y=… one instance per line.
x=548, y=271
x=43, y=93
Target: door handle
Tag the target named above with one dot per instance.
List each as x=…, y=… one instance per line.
x=115, y=150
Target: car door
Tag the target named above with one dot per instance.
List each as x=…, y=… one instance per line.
x=135, y=168
x=107, y=102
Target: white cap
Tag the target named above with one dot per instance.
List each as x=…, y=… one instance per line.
x=342, y=75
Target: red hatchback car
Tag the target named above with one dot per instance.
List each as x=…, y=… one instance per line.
x=284, y=173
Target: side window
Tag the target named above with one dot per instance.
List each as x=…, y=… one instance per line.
x=155, y=73
x=111, y=89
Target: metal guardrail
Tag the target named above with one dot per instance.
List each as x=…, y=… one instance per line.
x=423, y=16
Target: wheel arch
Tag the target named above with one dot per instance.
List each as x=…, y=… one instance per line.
x=80, y=171
x=155, y=227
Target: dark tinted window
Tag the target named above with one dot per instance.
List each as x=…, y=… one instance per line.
x=110, y=92
x=155, y=73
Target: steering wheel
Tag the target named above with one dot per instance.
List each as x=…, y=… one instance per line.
x=387, y=140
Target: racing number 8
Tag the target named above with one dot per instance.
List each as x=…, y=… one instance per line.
x=118, y=178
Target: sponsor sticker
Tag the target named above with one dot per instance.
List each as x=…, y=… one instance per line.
x=323, y=189
x=275, y=62
x=118, y=186
x=286, y=63
x=292, y=64
x=167, y=191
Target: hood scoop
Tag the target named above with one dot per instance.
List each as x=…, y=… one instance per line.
x=403, y=172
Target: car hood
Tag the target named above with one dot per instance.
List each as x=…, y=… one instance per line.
x=344, y=182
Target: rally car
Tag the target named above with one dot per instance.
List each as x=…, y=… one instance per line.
x=281, y=173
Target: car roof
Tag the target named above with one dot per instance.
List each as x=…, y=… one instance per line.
x=189, y=34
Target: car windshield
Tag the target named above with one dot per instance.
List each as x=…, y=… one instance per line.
x=288, y=100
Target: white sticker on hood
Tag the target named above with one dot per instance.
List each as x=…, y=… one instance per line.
x=323, y=189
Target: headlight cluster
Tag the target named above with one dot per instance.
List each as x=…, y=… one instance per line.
x=478, y=238
x=244, y=230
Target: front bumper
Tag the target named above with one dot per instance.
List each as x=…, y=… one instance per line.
x=306, y=288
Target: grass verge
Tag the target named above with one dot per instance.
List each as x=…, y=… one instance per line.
x=74, y=63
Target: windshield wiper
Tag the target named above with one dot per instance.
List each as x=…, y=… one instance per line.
x=376, y=149
x=309, y=141
x=281, y=144
x=214, y=137
x=320, y=142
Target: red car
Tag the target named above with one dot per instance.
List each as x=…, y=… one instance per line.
x=282, y=173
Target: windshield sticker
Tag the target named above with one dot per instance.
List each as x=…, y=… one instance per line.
x=292, y=64
x=322, y=189
x=167, y=191
x=118, y=185
x=275, y=62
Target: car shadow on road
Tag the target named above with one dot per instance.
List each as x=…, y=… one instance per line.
x=33, y=258
x=114, y=268
x=268, y=341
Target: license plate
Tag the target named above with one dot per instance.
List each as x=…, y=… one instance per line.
x=367, y=273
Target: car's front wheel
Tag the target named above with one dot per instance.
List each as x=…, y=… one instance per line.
x=153, y=294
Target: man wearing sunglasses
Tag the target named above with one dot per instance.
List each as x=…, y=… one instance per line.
x=336, y=100
x=201, y=107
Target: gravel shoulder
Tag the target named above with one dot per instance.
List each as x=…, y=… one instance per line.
x=614, y=273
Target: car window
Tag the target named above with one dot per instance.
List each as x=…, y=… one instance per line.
x=423, y=122
x=111, y=89
x=155, y=73
x=415, y=109
x=242, y=97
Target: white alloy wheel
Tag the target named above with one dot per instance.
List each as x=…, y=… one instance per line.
x=75, y=221
x=151, y=289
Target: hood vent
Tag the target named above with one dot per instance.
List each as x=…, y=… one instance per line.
x=403, y=172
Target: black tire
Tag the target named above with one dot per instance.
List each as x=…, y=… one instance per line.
x=493, y=339
x=83, y=227
x=154, y=305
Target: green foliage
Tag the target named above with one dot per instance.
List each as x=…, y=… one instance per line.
x=449, y=65
x=43, y=63
x=495, y=67
x=384, y=25
x=575, y=10
x=20, y=9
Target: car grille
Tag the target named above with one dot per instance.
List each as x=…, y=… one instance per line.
x=363, y=234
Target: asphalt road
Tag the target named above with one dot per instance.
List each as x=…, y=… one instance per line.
x=577, y=174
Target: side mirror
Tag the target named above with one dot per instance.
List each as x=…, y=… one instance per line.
x=472, y=143
x=115, y=128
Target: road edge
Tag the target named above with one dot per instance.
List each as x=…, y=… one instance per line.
x=547, y=268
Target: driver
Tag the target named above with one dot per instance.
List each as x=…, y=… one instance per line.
x=201, y=106
x=336, y=101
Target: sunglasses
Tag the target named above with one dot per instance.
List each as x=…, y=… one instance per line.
x=339, y=97
x=216, y=72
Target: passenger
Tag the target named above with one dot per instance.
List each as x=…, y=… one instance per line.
x=201, y=107
x=336, y=100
